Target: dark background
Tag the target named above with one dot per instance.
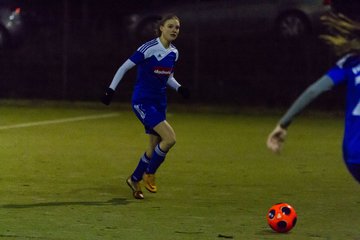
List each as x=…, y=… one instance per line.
x=72, y=49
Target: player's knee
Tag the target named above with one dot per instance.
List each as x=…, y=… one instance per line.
x=169, y=143
x=172, y=142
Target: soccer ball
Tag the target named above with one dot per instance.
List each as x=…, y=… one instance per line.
x=282, y=217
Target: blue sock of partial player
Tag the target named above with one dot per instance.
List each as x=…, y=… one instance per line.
x=157, y=159
x=140, y=169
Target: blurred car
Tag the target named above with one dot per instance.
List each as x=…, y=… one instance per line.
x=10, y=23
x=233, y=18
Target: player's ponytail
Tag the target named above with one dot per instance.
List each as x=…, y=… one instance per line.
x=343, y=33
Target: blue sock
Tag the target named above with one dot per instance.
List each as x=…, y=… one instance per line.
x=140, y=169
x=157, y=159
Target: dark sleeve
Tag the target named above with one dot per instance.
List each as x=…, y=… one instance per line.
x=325, y=83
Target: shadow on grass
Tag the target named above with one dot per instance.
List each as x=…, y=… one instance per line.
x=114, y=201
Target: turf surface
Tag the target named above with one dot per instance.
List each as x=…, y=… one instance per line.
x=66, y=180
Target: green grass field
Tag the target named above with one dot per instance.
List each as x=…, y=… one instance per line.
x=63, y=177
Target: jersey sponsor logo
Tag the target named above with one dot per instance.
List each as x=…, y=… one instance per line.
x=162, y=70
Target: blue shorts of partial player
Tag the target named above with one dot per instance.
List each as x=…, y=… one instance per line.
x=150, y=115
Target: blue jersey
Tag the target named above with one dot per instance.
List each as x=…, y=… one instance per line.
x=347, y=71
x=154, y=63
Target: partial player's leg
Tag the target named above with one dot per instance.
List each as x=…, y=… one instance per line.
x=168, y=139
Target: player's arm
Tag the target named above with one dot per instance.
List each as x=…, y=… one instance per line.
x=172, y=83
x=277, y=136
x=109, y=92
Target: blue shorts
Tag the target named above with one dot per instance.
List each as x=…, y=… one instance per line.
x=150, y=115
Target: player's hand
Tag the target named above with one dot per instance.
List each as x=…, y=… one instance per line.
x=184, y=92
x=107, y=97
x=276, y=139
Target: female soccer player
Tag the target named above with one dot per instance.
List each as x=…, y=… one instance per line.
x=344, y=37
x=155, y=60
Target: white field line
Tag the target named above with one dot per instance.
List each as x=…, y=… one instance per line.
x=58, y=121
